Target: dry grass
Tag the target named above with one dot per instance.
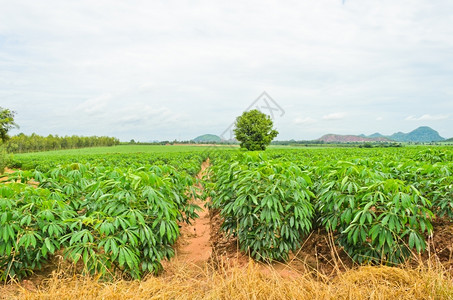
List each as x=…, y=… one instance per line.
x=250, y=282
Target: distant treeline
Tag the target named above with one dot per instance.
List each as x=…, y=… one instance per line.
x=191, y=142
x=309, y=143
x=32, y=143
x=318, y=143
x=294, y=142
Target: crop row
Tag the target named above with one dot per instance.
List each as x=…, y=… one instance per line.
x=103, y=218
x=379, y=205
x=187, y=161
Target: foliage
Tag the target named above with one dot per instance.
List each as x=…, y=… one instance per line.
x=254, y=130
x=379, y=208
x=109, y=218
x=22, y=143
x=265, y=204
x=6, y=123
x=31, y=225
x=377, y=202
x=190, y=162
x=379, y=219
x=4, y=159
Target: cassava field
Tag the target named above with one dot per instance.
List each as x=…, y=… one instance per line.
x=187, y=222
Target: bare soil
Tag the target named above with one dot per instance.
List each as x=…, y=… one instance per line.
x=8, y=171
x=318, y=254
x=194, y=244
x=441, y=243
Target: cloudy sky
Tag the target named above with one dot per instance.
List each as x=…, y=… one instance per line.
x=158, y=70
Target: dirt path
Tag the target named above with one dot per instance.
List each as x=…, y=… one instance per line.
x=194, y=245
x=204, y=242
x=8, y=171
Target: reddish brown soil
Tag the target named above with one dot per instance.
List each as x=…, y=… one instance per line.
x=5, y=174
x=225, y=250
x=319, y=252
x=194, y=245
x=8, y=171
x=441, y=243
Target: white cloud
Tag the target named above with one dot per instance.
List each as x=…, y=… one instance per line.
x=84, y=67
x=379, y=118
x=334, y=116
x=427, y=117
x=95, y=105
x=305, y=120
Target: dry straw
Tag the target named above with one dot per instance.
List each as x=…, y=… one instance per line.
x=183, y=281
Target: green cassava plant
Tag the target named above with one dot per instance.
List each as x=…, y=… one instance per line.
x=377, y=219
x=111, y=219
x=266, y=204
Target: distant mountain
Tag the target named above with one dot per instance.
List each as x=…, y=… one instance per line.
x=373, y=136
x=377, y=135
x=399, y=136
x=336, y=138
x=207, y=138
x=423, y=134
x=449, y=140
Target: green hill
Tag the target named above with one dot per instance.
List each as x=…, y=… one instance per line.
x=376, y=135
x=423, y=134
x=207, y=138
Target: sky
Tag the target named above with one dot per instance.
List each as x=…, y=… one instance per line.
x=165, y=70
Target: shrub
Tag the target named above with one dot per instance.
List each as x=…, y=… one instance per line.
x=265, y=204
x=377, y=219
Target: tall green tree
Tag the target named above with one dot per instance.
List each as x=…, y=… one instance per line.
x=254, y=130
x=6, y=123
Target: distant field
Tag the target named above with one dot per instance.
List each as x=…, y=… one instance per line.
x=126, y=149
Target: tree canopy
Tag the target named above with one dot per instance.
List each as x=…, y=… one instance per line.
x=6, y=123
x=254, y=130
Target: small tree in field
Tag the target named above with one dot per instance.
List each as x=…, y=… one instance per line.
x=6, y=123
x=254, y=130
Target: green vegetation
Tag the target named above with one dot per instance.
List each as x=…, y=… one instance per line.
x=117, y=209
x=22, y=143
x=124, y=149
x=112, y=215
x=379, y=218
x=6, y=123
x=254, y=130
x=378, y=203
x=4, y=159
x=266, y=204
x=123, y=156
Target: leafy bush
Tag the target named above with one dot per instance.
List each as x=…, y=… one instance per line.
x=265, y=204
x=108, y=218
x=378, y=219
x=31, y=225
x=4, y=159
